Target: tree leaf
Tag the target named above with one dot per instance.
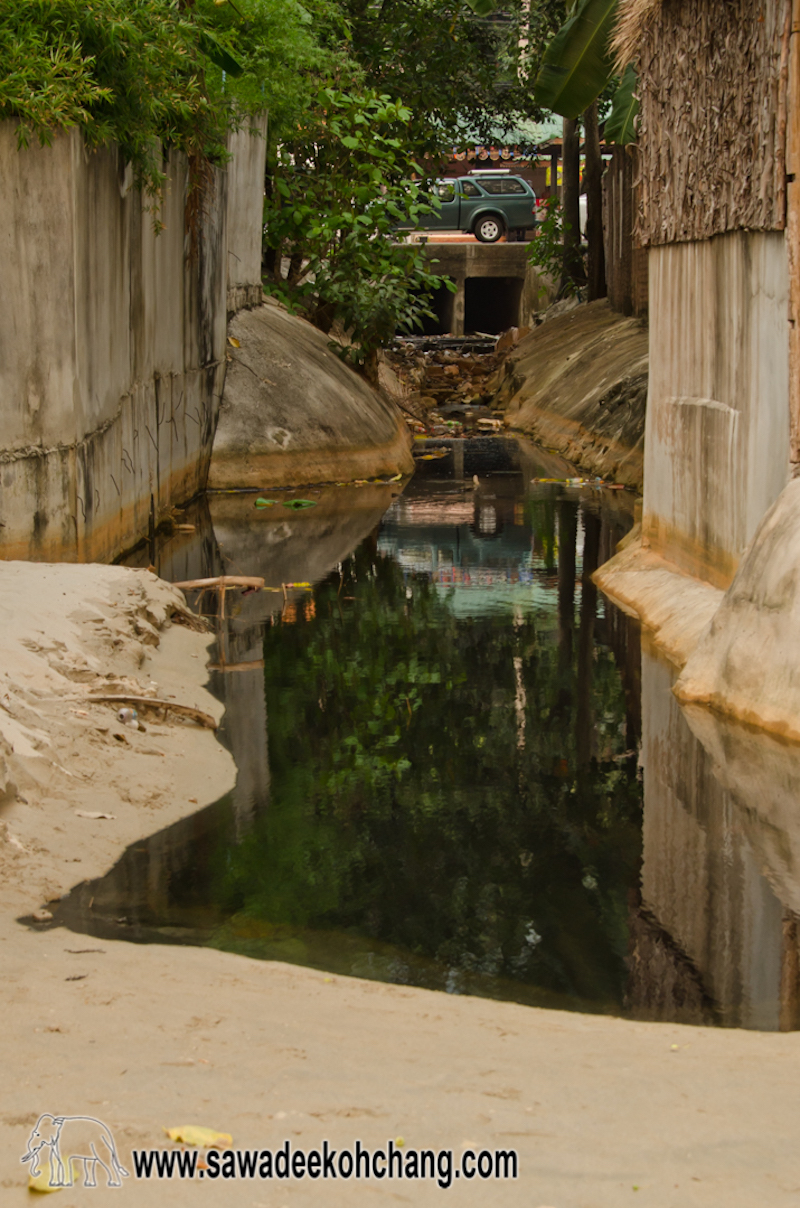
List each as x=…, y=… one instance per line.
x=482, y=8
x=620, y=127
x=577, y=65
x=218, y=55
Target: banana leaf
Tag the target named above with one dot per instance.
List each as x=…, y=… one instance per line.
x=620, y=124
x=577, y=64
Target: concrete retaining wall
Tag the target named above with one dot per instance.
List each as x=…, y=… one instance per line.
x=717, y=434
x=111, y=342
x=245, y=175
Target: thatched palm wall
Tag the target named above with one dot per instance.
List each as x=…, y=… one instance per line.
x=712, y=85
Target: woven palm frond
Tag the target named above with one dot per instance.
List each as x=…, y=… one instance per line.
x=635, y=17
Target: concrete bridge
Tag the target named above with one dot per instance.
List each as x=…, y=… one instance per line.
x=496, y=286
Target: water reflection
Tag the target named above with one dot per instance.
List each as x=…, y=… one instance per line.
x=453, y=797
x=716, y=936
x=437, y=751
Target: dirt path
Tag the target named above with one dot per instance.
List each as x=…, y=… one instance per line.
x=602, y=1112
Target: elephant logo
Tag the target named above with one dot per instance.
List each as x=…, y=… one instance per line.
x=74, y=1141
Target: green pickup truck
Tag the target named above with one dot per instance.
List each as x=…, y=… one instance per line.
x=484, y=204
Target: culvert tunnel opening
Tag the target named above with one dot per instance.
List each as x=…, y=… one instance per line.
x=491, y=304
x=442, y=322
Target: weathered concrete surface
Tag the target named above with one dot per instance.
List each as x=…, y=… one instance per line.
x=717, y=439
x=746, y=665
x=673, y=606
x=245, y=191
x=578, y=384
x=111, y=345
x=716, y=458
x=735, y=648
x=293, y=413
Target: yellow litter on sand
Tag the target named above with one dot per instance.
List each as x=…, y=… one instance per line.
x=42, y=1182
x=194, y=1134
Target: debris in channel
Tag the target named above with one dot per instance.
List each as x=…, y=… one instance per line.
x=447, y=384
x=581, y=482
x=155, y=702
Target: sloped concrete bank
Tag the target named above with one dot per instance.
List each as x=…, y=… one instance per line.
x=669, y=603
x=292, y=412
x=745, y=664
x=578, y=384
x=735, y=649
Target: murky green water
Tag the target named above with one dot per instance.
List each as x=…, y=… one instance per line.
x=451, y=800
x=437, y=744
x=458, y=769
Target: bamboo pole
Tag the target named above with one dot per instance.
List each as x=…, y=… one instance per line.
x=221, y=581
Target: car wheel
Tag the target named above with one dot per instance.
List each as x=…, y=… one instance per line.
x=489, y=228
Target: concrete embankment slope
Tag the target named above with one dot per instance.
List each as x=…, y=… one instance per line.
x=578, y=384
x=292, y=412
x=745, y=664
x=735, y=649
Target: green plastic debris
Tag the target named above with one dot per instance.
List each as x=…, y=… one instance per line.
x=265, y=503
x=296, y=504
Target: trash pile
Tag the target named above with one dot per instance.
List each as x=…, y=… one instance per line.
x=447, y=384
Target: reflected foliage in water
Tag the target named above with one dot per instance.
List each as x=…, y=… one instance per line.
x=451, y=795
x=452, y=799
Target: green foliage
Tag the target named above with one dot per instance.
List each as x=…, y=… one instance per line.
x=340, y=185
x=286, y=50
x=128, y=71
x=420, y=76
x=620, y=124
x=153, y=74
x=462, y=76
x=482, y=8
x=578, y=65
x=546, y=249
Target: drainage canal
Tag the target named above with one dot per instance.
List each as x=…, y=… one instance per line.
x=440, y=746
